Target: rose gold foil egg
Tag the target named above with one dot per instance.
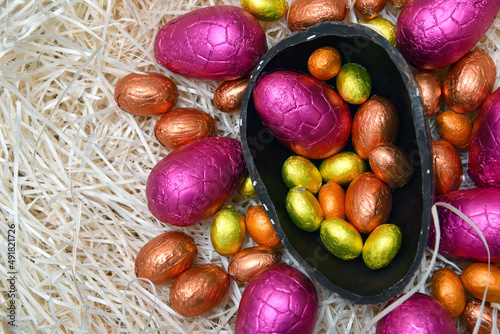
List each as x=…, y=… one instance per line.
x=249, y=262
x=400, y=4
x=471, y=315
x=391, y=164
x=368, y=202
x=469, y=82
x=199, y=290
x=455, y=128
x=149, y=94
x=447, y=167
x=306, y=13
x=429, y=86
x=184, y=125
x=475, y=279
x=229, y=94
x=369, y=9
x=448, y=290
x=165, y=257
x=376, y=122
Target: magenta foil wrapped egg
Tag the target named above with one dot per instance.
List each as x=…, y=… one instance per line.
x=458, y=239
x=435, y=33
x=217, y=43
x=194, y=181
x=306, y=115
x=279, y=299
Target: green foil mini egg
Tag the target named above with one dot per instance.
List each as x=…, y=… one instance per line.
x=342, y=167
x=265, y=10
x=383, y=27
x=227, y=231
x=341, y=238
x=246, y=188
x=354, y=83
x=304, y=209
x=298, y=171
x=382, y=245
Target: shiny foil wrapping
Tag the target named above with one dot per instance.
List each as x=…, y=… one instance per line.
x=475, y=279
x=454, y=27
x=400, y=4
x=458, y=239
x=324, y=63
x=298, y=171
x=331, y=198
x=382, y=26
x=250, y=261
x=199, y=290
x=447, y=165
x=391, y=164
x=260, y=228
x=216, y=43
x=229, y=94
x=227, y=231
x=342, y=167
x=382, y=246
x=471, y=314
x=304, y=209
x=455, y=128
x=353, y=83
x=306, y=13
x=278, y=300
x=448, y=290
x=341, y=238
x=369, y=9
x=265, y=10
x=246, y=188
x=430, y=88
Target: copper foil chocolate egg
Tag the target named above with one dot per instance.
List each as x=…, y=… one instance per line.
x=304, y=209
x=429, y=86
x=342, y=167
x=331, y=198
x=399, y=4
x=448, y=290
x=471, y=314
x=369, y=9
x=265, y=10
x=324, y=63
x=455, y=128
x=149, y=94
x=376, y=122
x=260, y=228
x=475, y=276
x=368, y=202
x=298, y=171
x=382, y=246
x=341, y=238
x=227, y=231
x=184, y=125
x=469, y=82
x=391, y=164
x=447, y=165
x=249, y=262
x=199, y=290
x=306, y=13
x=165, y=257
x=229, y=94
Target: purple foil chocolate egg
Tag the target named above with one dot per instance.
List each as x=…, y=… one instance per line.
x=217, y=43
x=484, y=147
x=194, y=181
x=420, y=314
x=304, y=114
x=435, y=33
x=279, y=299
x=459, y=239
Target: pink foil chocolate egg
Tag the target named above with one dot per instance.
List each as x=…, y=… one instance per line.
x=194, y=181
x=459, y=239
x=435, y=33
x=217, y=43
x=304, y=114
x=279, y=299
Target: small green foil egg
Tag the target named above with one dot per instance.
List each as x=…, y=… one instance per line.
x=342, y=167
x=298, y=171
x=304, y=209
x=246, y=188
x=341, y=238
x=354, y=83
x=382, y=245
x=227, y=231
x=265, y=10
x=384, y=27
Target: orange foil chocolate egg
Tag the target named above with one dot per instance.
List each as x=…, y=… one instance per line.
x=447, y=165
x=331, y=198
x=324, y=63
x=306, y=13
x=448, y=290
x=369, y=9
x=149, y=94
x=429, y=86
x=471, y=314
x=391, y=164
x=400, y=4
x=474, y=277
x=184, y=125
x=455, y=128
x=229, y=95
x=260, y=228
x=249, y=262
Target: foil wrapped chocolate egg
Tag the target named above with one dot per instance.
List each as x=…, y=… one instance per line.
x=368, y=202
x=471, y=315
x=304, y=209
x=354, y=83
x=342, y=167
x=391, y=164
x=306, y=13
x=249, y=262
x=184, y=125
x=448, y=290
x=383, y=26
x=331, y=198
x=260, y=228
x=165, y=257
x=324, y=63
x=298, y=171
x=341, y=238
x=455, y=128
x=382, y=246
x=447, y=165
x=149, y=94
x=475, y=280
x=369, y=9
x=246, y=188
x=430, y=88
x=227, y=231
x=399, y=4
x=265, y=10
x=229, y=94
x=469, y=82
x=199, y=290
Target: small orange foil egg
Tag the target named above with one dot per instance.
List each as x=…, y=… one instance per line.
x=324, y=63
x=454, y=128
x=369, y=9
x=447, y=165
x=331, y=198
x=229, y=95
x=471, y=314
x=429, y=86
x=249, y=262
x=474, y=278
x=448, y=290
x=260, y=228
x=391, y=164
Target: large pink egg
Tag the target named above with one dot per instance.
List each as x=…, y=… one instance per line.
x=279, y=299
x=218, y=43
x=420, y=314
x=194, y=181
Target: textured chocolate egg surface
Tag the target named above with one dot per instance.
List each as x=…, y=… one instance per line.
x=229, y=94
x=455, y=128
x=306, y=13
x=471, y=315
x=448, y=290
x=447, y=167
x=430, y=88
x=260, y=228
x=249, y=262
x=227, y=231
x=475, y=279
x=391, y=164
x=369, y=9
x=265, y=10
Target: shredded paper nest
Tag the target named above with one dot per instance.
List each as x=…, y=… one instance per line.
x=74, y=166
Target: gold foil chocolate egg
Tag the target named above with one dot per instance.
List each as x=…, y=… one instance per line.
x=471, y=314
x=306, y=13
x=368, y=202
x=229, y=94
x=149, y=94
x=342, y=167
x=331, y=198
x=260, y=228
x=384, y=27
x=474, y=278
x=400, y=4
x=375, y=122
x=354, y=83
x=448, y=290
x=369, y=9
x=184, y=125
x=199, y=290
x=246, y=188
x=304, y=209
x=265, y=10
x=382, y=246
x=165, y=257
x=469, y=82
x=391, y=164
x=447, y=166
x=298, y=171
x=455, y=128
x=249, y=262
x=227, y=231
x=341, y=238
x=324, y=63
x=429, y=86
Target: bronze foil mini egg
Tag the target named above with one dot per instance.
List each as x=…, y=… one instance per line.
x=447, y=164
x=471, y=315
x=448, y=290
x=429, y=86
x=391, y=164
x=455, y=128
x=229, y=94
x=369, y=9
x=306, y=13
x=249, y=262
